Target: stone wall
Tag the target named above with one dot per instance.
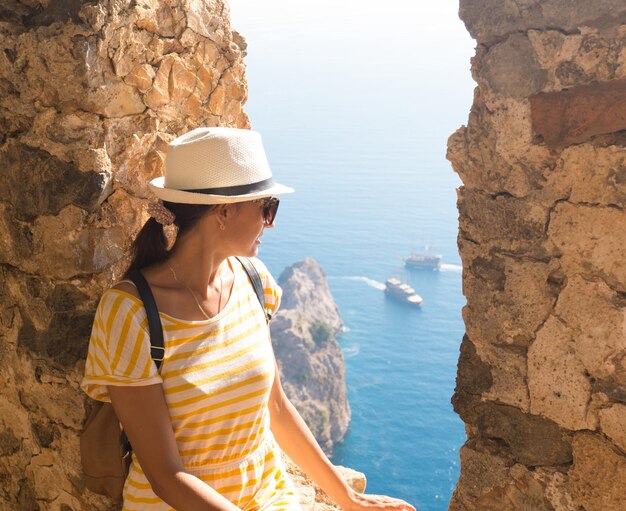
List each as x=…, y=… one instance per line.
x=541, y=380
x=90, y=94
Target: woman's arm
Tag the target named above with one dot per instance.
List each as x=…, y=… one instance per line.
x=146, y=421
x=295, y=438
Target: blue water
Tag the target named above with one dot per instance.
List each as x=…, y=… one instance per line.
x=357, y=222
x=358, y=127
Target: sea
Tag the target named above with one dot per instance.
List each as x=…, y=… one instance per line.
x=355, y=105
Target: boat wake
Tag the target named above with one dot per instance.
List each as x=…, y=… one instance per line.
x=370, y=282
x=456, y=268
x=351, y=351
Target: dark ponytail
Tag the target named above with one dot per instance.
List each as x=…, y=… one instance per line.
x=150, y=245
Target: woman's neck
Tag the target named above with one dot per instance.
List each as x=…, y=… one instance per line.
x=198, y=263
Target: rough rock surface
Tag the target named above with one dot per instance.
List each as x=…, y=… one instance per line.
x=312, y=497
x=90, y=94
x=541, y=381
x=310, y=360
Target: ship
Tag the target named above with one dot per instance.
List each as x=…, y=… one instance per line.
x=404, y=292
x=425, y=260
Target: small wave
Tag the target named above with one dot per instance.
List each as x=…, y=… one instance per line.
x=351, y=351
x=370, y=282
x=457, y=268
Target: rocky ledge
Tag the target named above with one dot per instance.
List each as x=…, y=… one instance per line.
x=310, y=360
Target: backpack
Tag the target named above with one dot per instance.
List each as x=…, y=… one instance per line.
x=105, y=451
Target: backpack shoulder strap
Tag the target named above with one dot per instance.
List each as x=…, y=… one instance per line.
x=154, y=321
x=255, y=279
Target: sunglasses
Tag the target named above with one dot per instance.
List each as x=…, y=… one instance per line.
x=270, y=207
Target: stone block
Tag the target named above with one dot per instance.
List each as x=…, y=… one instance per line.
x=55, y=12
x=582, y=57
x=53, y=129
x=57, y=243
x=508, y=299
x=58, y=403
x=614, y=387
x=495, y=153
x=590, y=241
x=182, y=80
x=142, y=159
x=595, y=317
x=484, y=465
x=75, y=138
x=508, y=366
x=116, y=99
x=522, y=492
x=585, y=173
x=26, y=498
x=597, y=477
x=491, y=20
x=217, y=102
x=557, y=380
x=183, y=90
x=554, y=480
x=532, y=440
x=612, y=422
x=159, y=94
x=109, y=247
x=577, y=114
x=517, y=489
x=473, y=378
x=202, y=18
x=141, y=77
x=56, y=320
x=93, y=15
x=165, y=20
x=51, y=184
x=510, y=224
x=69, y=55
x=207, y=81
x=511, y=68
x=9, y=443
x=48, y=477
x=15, y=237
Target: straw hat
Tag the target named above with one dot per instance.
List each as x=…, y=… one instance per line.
x=216, y=166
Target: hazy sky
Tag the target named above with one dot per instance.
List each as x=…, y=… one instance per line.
x=398, y=52
x=436, y=20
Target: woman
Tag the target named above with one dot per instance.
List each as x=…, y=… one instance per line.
x=204, y=430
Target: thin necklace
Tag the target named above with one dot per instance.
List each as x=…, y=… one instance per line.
x=193, y=295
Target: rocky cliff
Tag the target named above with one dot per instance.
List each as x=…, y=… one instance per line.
x=542, y=372
x=310, y=360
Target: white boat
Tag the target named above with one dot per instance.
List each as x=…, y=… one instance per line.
x=429, y=261
x=401, y=291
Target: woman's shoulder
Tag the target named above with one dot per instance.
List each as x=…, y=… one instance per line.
x=125, y=286
x=261, y=268
x=259, y=265
x=271, y=289
x=122, y=297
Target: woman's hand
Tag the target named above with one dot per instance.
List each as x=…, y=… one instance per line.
x=365, y=502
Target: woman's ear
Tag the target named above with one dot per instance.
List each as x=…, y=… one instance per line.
x=224, y=213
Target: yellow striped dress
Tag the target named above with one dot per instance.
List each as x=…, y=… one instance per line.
x=216, y=376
